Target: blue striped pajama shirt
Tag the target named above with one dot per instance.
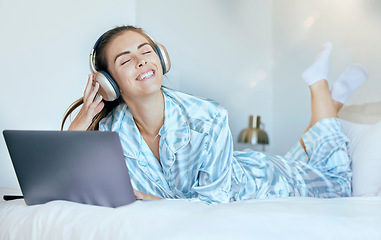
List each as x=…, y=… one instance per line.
x=198, y=161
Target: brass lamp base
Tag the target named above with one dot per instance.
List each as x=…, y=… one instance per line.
x=253, y=134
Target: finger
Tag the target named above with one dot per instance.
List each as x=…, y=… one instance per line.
x=96, y=106
x=138, y=195
x=98, y=99
x=94, y=92
x=88, y=86
x=91, y=96
x=99, y=108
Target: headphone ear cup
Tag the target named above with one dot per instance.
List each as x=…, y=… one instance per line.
x=109, y=90
x=161, y=51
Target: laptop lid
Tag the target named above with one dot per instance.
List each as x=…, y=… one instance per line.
x=80, y=166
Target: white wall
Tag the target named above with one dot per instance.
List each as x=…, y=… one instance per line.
x=44, y=60
x=249, y=55
x=246, y=54
x=220, y=50
x=300, y=28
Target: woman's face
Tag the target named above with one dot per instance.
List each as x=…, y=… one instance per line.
x=134, y=65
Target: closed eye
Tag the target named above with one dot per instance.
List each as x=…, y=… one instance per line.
x=126, y=61
x=147, y=52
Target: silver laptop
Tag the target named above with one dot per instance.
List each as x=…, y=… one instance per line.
x=80, y=166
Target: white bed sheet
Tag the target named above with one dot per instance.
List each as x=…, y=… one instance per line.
x=283, y=218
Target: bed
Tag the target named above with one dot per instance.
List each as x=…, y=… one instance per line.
x=356, y=217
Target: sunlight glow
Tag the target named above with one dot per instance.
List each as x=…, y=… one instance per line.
x=261, y=75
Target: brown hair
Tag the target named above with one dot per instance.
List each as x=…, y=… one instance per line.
x=101, y=65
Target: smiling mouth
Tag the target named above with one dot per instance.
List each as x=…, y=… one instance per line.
x=145, y=75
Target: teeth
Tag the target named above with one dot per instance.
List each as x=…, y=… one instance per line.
x=146, y=75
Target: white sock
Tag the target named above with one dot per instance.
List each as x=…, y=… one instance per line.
x=319, y=69
x=351, y=79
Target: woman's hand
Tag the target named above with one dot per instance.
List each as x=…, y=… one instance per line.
x=145, y=196
x=92, y=105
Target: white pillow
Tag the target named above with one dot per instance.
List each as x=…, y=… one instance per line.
x=368, y=113
x=365, y=150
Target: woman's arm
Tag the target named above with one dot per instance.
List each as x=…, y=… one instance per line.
x=92, y=105
x=145, y=196
x=214, y=177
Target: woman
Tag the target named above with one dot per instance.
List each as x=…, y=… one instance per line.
x=180, y=146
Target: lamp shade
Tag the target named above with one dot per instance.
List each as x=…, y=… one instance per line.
x=254, y=134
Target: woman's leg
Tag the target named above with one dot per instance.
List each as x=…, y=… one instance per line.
x=322, y=104
x=326, y=103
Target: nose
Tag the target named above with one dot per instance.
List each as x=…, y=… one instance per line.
x=141, y=62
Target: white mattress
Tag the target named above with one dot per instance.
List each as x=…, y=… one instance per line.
x=283, y=218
